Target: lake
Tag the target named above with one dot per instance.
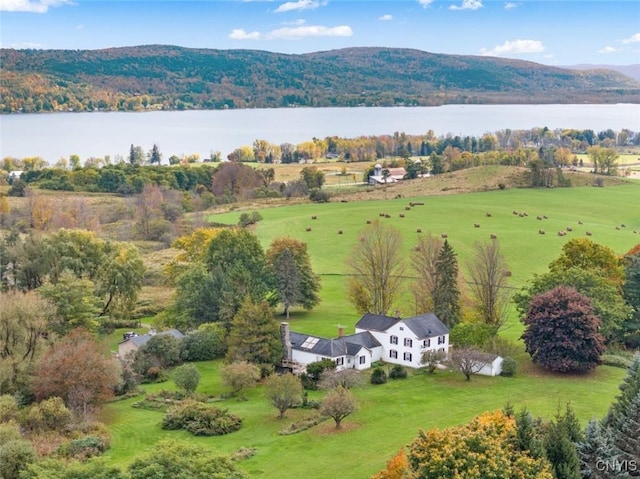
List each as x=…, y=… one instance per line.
x=56, y=135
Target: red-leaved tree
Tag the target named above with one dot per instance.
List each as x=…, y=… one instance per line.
x=77, y=370
x=562, y=331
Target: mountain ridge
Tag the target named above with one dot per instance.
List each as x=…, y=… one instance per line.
x=172, y=77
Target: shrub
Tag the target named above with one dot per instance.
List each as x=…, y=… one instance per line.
x=83, y=448
x=509, y=367
x=247, y=219
x=315, y=370
x=200, y=420
x=398, y=372
x=318, y=196
x=616, y=360
x=204, y=344
x=50, y=414
x=239, y=376
x=302, y=425
x=8, y=408
x=187, y=378
x=378, y=376
x=14, y=457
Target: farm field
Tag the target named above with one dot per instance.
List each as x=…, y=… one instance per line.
x=390, y=415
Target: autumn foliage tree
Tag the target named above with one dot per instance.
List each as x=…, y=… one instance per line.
x=483, y=448
x=562, y=331
x=423, y=262
x=77, y=370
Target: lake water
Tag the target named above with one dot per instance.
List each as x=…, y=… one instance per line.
x=55, y=135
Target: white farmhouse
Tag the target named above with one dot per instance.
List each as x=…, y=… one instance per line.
x=404, y=340
x=377, y=338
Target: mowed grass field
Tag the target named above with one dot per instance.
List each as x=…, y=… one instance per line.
x=390, y=415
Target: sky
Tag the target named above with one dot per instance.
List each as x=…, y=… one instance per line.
x=551, y=32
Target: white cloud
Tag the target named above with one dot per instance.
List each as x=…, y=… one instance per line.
x=241, y=34
x=607, y=49
x=33, y=6
x=425, y=3
x=312, y=31
x=514, y=47
x=299, y=5
x=386, y=18
x=632, y=39
x=510, y=5
x=467, y=5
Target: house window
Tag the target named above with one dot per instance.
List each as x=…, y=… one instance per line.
x=401, y=328
x=441, y=339
x=393, y=339
x=339, y=361
x=408, y=342
x=393, y=354
x=407, y=357
x=426, y=343
x=363, y=359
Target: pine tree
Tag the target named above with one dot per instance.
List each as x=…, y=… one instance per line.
x=254, y=335
x=560, y=448
x=287, y=280
x=154, y=155
x=597, y=448
x=446, y=296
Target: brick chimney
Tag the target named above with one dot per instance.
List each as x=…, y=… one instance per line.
x=340, y=331
x=285, y=336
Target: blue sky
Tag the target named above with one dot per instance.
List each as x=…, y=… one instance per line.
x=553, y=32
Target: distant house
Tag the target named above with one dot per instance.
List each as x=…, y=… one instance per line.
x=377, y=337
x=133, y=342
x=392, y=175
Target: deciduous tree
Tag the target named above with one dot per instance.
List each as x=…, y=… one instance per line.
x=423, y=261
x=468, y=361
x=562, y=331
x=483, y=448
x=239, y=376
x=376, y=269
x=78, y=370
x=338, y=404
x=187, y=378
x=488, y=283
x=284, y=391
x=585, y=254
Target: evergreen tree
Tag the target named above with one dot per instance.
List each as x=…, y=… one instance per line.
x=446, y=295
x=287, y=280
x=560, y=448
x=154, y=155
x=527, y=435
x=306, y=285
x=597, y=448
x=254, y=335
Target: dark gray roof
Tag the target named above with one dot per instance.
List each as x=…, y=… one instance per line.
x=426, y=326
x=144, y=339
x=376, y=322
x=332, y=348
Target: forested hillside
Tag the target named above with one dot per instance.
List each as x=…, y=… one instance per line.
x=168, y=77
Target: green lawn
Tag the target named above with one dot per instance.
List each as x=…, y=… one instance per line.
x=390, y=415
